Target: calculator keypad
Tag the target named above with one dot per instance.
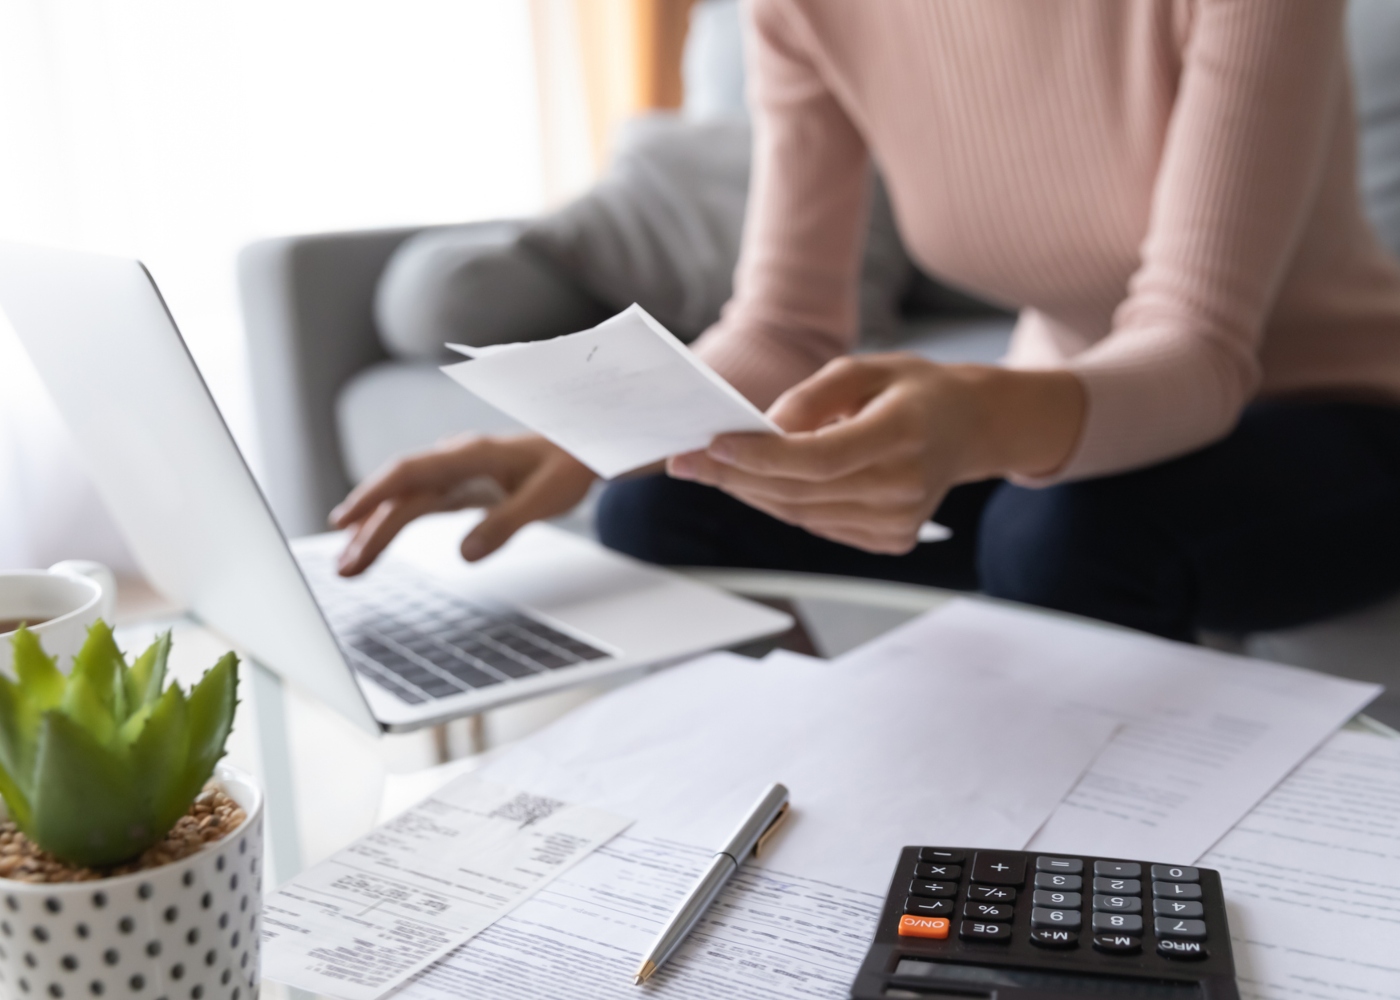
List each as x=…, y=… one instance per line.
x=978, y=891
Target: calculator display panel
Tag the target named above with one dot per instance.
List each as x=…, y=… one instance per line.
x=1107, y=986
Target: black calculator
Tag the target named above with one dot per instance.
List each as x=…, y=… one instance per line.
x=964, y=924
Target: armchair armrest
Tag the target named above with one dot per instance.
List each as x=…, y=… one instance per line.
x=308, y=311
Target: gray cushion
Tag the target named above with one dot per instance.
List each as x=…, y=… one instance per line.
x=476, y=284
x=662, y=226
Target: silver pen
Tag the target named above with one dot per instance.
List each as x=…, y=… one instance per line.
x=750, y=838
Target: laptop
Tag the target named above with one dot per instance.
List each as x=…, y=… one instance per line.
x=421, y=637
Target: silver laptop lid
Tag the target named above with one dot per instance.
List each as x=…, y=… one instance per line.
x=164, y=462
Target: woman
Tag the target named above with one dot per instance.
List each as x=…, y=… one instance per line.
x=1197, y=425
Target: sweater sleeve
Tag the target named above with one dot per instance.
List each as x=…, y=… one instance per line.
x=1245, y=151
x=795, y=289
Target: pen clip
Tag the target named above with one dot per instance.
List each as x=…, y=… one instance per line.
x=767, y=834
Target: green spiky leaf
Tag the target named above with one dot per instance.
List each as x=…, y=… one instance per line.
x=212, y=703
x=84, y=796
x=98, y=765
x=101, y=664
x=146, y=678
x=165, y=737
x=84, y=704
x=16, y=801
x=38, y=674
x=41, y=688
x=13, y=746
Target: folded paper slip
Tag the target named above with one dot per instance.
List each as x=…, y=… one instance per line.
x=617, y=397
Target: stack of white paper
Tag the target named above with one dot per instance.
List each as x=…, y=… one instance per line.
x=1206, y=734
x=875, y=762
x=966, y=727
x=892, y=756
x=1311, y=875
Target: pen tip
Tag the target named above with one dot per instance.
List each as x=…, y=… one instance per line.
x=643, y=973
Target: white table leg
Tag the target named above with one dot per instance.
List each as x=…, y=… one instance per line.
x=274, y=752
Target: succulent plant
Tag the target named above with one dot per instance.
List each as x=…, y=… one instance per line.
x=97, y=765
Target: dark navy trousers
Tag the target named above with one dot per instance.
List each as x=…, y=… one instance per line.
x=1294, y=517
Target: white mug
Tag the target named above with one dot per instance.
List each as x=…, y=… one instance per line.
x=66, y=599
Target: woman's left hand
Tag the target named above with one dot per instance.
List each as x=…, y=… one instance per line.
x=874, y=442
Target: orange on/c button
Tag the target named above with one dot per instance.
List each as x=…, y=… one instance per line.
x=928, y=927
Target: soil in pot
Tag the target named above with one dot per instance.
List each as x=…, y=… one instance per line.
x=212, y=816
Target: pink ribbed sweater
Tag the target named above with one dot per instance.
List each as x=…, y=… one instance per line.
x=1165, y=188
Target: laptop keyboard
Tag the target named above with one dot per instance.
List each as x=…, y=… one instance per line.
x=422, y=643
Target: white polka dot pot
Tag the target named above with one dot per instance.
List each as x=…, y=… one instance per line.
x=185, y=931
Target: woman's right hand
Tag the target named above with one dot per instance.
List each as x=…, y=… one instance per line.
x=518, y=479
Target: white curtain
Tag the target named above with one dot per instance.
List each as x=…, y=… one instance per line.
x=178, y=131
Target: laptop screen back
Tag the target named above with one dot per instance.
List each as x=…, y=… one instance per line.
x=164, y=461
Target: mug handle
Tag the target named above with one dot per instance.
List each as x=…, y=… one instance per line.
x=98, y=574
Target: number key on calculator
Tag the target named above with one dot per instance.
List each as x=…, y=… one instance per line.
x=985, y=924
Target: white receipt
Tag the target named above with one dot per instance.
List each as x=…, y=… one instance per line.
x=768, y=935
x=1312, y=878
x=1207, y=735
x=362, y=922
x=617, y=397
x=875, y=760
